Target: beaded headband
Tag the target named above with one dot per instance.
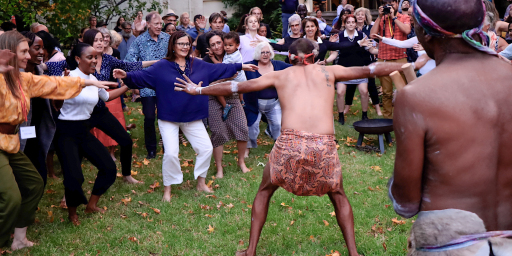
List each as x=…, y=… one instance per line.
x=434, y=29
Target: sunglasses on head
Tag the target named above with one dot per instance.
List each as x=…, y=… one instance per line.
x=347, y=12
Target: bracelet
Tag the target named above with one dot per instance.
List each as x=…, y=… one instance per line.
x=199, y=89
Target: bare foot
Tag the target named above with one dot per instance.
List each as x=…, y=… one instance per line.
x=167, y=194
x=94, y=209
x=244, y=168
x=74, y=220
x=20, y=244
x=220, y=173
x=203, y=187
x=241, y=253
x=63, y=203
x=131, y=180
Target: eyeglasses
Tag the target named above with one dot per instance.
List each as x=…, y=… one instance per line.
x=183, y=45
x=265, y=53
x=172, y=20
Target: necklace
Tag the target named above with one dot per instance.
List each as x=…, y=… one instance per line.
x=186, y=67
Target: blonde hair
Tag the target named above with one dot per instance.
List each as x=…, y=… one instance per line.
x=367, y=13
x=254, y=8
x=247, y=20
x=115, y=38
x=11, y=40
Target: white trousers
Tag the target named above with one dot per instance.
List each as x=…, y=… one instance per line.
x=197, y=136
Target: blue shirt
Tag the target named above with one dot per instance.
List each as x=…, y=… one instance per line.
x=289, y=6
x=145, y=48
x=225, y=29
x=125, y=45
x=192, y=33
x=175, y=106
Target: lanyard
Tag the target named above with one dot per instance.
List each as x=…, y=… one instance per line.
x=391, y=27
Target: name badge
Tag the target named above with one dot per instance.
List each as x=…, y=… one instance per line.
x=28, y=132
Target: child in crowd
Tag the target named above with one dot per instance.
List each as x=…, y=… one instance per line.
x=231, y=44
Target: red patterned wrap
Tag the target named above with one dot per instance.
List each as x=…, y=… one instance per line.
x=305, y=164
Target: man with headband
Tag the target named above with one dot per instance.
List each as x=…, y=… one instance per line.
x=304, y=160
x=452, y=125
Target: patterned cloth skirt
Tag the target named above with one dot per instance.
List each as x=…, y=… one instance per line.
x=305, y=164
x=235, y=126
x=115, y=107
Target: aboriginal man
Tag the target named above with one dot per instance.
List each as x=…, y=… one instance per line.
x=452, y=125
x=304, y=160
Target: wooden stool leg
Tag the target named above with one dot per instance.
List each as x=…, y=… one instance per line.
x=360, y=139
x=381, y=144
x=388, y=137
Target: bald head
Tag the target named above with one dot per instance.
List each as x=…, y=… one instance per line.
x=455, y=16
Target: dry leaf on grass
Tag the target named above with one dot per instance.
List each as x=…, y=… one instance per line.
x=119, y=175
x=155, y=210
x=376, y=168
x=145, y=161
x=133, y=239
x=209, y=183
x=326, y=223
x=333, y=214
x=399, y=222
x=210, y=229
x=126, y=201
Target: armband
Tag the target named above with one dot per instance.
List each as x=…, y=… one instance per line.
x=234, y=87
x=199, y=90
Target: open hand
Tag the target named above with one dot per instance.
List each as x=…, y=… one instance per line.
x=249, y=67
x=319, y=62
x=66, y=72
x=376, y=36
x=418, y=47
x=187, y=86
x=119, y=73
x=201, y=23
x=102, y=84
x=334, y=38
x=5, y=56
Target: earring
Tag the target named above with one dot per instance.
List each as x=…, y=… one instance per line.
x=78, y=62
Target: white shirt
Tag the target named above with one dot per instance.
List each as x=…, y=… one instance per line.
x=247, y=45
x=80, y=107
x=339, y=9
x=235, y=57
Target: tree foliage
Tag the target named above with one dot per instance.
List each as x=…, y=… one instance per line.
x=271, y=12
x=65, y=18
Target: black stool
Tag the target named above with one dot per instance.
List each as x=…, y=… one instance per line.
x=378, y=127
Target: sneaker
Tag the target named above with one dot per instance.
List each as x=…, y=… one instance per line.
x=226, y=112
x=151, y=155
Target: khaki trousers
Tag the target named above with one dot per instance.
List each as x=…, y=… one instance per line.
x=387, y=90
x=21, y=189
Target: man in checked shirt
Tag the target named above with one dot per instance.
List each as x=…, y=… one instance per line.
x=395, y=25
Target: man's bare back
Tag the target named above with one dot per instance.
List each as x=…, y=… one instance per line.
x=454, y=140
x=306, y=94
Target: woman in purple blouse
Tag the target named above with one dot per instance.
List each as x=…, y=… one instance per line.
x=178, y=110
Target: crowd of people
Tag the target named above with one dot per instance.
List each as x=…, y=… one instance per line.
x=227, y=81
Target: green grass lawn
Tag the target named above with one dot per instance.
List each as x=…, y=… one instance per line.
x=200, y=224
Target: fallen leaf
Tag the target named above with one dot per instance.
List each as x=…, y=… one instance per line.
x=50, y=191
x=399, y=222
x=133, y=239
x=212, y=196
x=326, y=223
x=123, y=216
x=126, y=201
x=155, y=185
x=226, y=152
x=249, y=206
x=185, y=164
x=385, y=246
x=241, y=242
x=387, y=205
x=145, y=161
x=134, y=173
x=230, y=206
x=291, y=223
x=210, y=229
x=208, y=215
x=376, y=168
x=155, y=210
x=119, y=175
x=333, y=214
x=370, y=188
x=209, y=183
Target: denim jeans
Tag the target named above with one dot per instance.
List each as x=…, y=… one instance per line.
x=271, y=108
x=284, y=19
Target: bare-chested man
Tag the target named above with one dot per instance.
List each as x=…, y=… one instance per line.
x=453, y=125
x=304, y=159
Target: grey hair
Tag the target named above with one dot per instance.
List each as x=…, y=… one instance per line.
x=115, y=38
x=294, y=18
x=151, y=15
x=104, y=31
x=367, y=14
x=259, y=47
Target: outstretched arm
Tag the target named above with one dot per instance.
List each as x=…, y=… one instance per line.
x=374, y=70
x=405, y=191
x=226, y=88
